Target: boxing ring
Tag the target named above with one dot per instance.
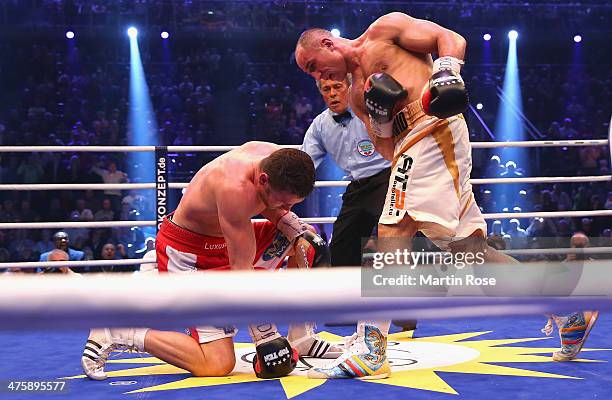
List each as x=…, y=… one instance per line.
x=38, y=314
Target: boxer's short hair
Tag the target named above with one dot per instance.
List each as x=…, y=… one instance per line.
x=311, y=38
x=291, y=170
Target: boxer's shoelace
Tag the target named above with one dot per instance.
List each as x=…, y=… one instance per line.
x=349, y=350
x=549, y=327
x=104, y=355
x=348, y=342
x=108, y=353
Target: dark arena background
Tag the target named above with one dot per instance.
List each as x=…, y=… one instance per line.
x=109, y=108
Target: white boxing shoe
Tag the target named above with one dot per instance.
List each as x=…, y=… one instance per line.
x=99, y=346
x=313, y=346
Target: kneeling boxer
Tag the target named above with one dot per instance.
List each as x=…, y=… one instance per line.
x=212, y=230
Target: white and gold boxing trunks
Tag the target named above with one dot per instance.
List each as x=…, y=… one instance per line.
x=430, y=177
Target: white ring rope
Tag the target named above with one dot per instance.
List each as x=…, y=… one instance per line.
x=137, y=261
x=72, y=264
x=219, y=298
x=129, y=186
x=76, y=224
x=216, y=149
x=310, y=220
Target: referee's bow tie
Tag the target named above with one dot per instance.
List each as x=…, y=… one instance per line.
x=339, y=118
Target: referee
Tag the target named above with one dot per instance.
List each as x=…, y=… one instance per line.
x=339, y=133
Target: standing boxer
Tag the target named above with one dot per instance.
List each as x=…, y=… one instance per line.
x=412, y=108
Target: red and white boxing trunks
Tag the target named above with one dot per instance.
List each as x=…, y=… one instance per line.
x=180, y=250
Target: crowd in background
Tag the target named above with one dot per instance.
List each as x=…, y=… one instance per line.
x=286, y=15
x=60, y=96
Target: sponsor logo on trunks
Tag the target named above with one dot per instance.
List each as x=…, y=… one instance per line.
x=215, y=246
x=276, y=249
x=227, y=329
x=365, y=148
x=399, y=185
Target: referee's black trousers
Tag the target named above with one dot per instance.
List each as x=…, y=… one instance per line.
x=362, y=205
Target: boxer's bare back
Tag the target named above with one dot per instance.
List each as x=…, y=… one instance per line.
x=227, y=185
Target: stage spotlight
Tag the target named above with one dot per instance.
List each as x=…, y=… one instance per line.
x=577, y=38
x=132, y=32
x=69, y=35
x=335, y=32
x=486, y=37
x=513, y=35
x=479, y=106
x=165, y=35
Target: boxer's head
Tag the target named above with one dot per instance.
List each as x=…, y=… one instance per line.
x=318, y=54
x=335, y=94
x=285, y=178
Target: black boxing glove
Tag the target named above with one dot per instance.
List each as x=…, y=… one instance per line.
x=311, y=251
x=445, y=94
x=381, y=94
x=274, y=359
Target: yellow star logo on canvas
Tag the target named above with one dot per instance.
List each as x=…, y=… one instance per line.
x=415, y=363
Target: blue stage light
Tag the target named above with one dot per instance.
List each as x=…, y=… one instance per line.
x=486, y=36
x=132, y=32
x=577, y=38
x=69, y=35
x=513, y=35
x=165, y=35
x=335, y=32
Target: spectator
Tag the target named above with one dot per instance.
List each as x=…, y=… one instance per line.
x=62, y=241
x=567, y=131
x=84, y=213
x=608, y=203
x=112, y=175
x=9, y=214
x=582, y=199
x=494, y=169
x=496, y=229
x=516, y=237
x=78, y=235
x=578, y=241
x=302, y=108
x=109, y=252
x=30, y=170
x=45, y=244
x=26, y=212
x=561, y=198
x=106, y=213
x=59, y=256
